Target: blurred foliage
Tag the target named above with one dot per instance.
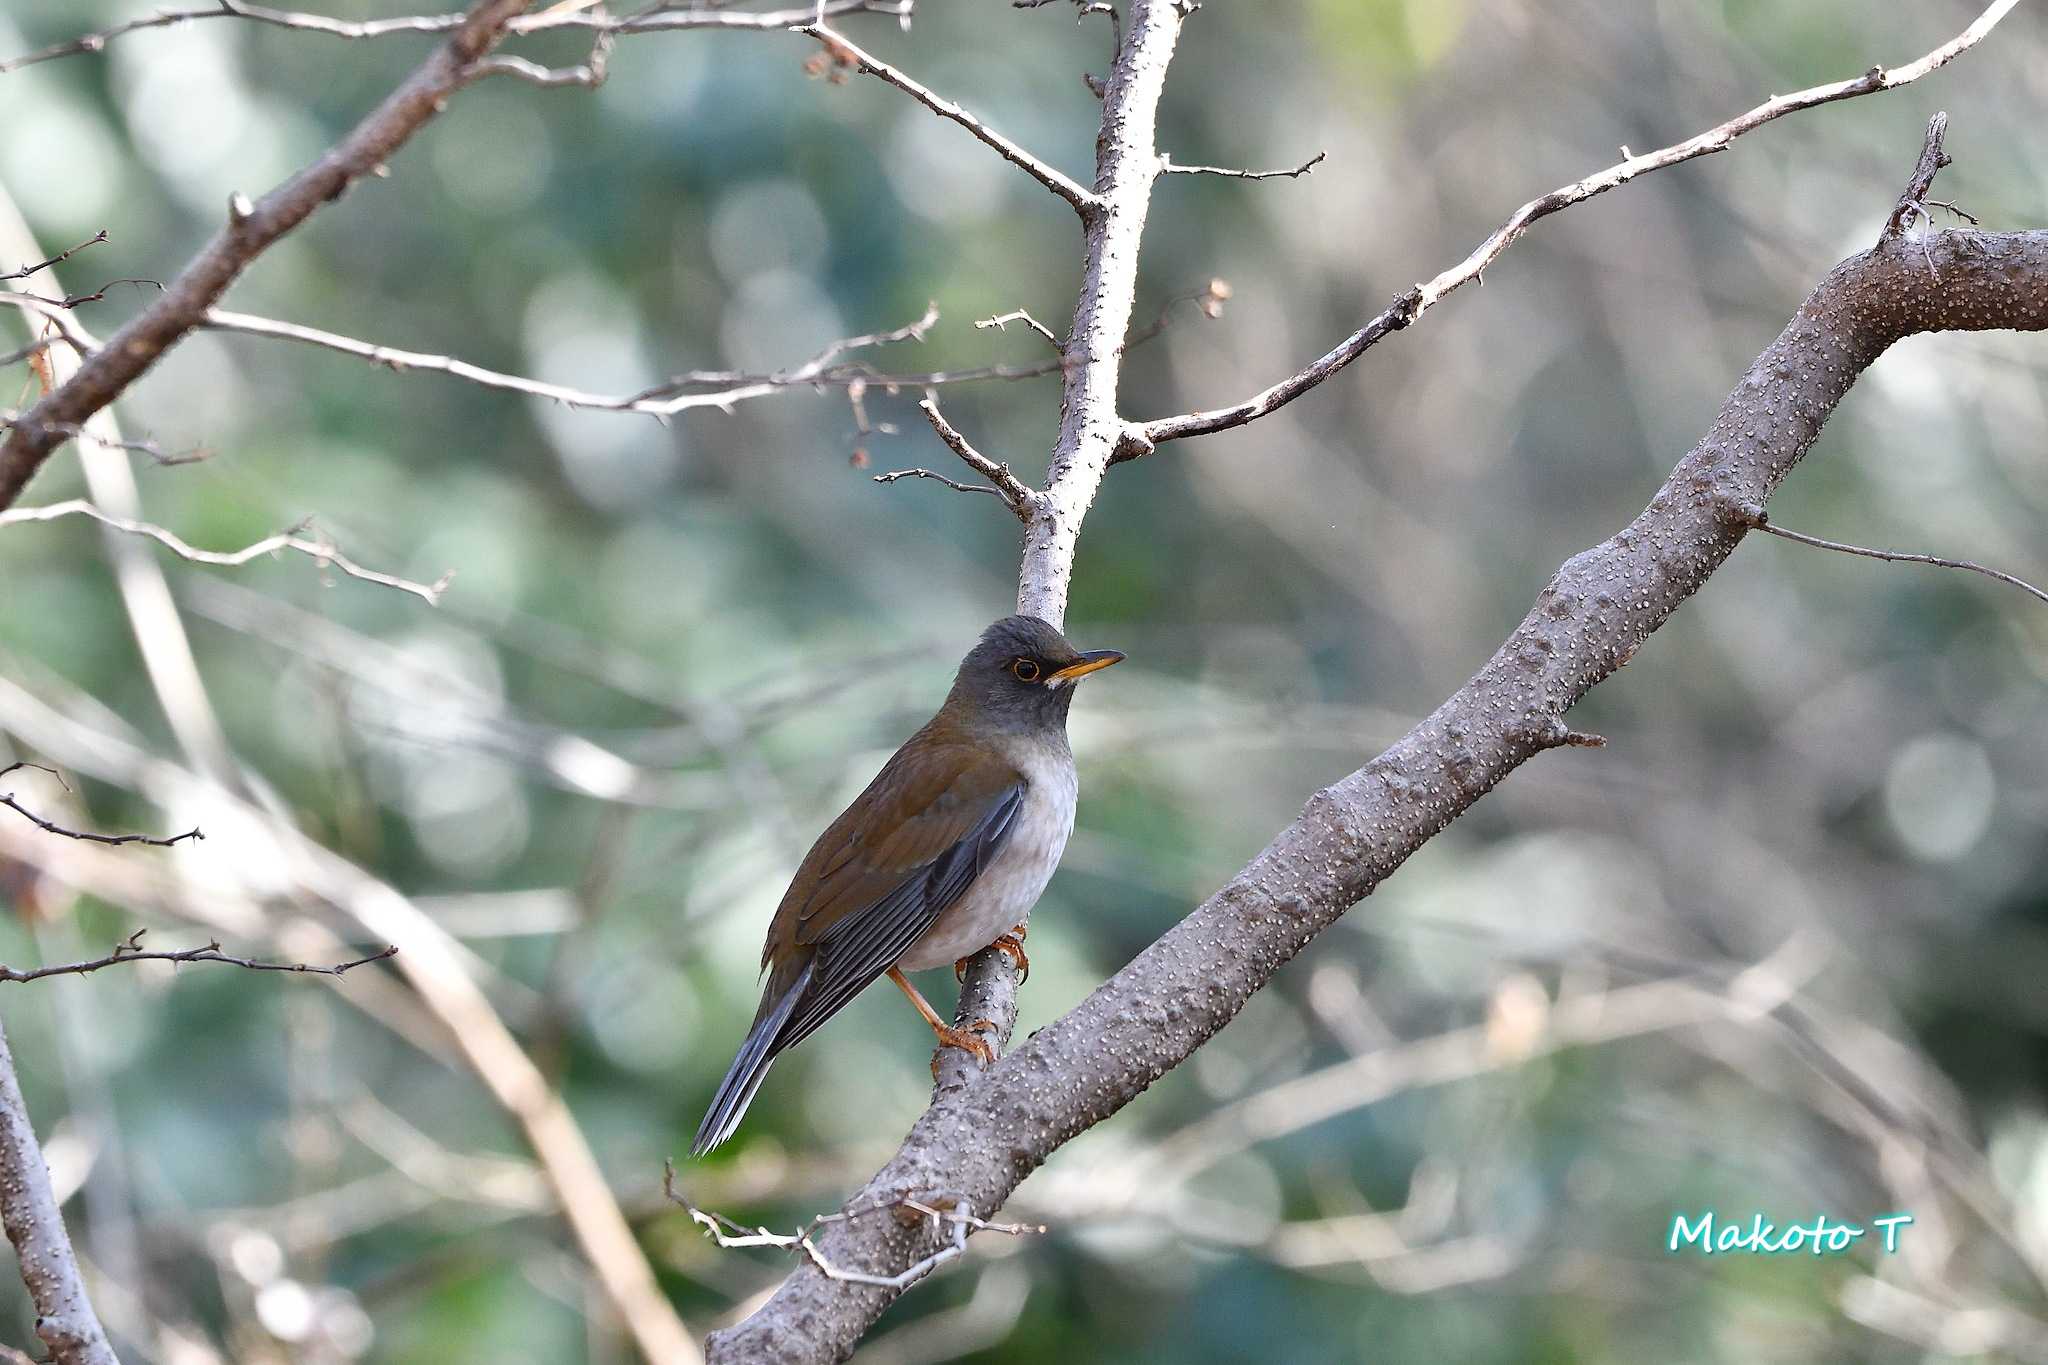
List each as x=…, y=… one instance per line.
x=1817, y=745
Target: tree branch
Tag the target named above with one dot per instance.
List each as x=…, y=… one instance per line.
x=251, y=229
x=978, y=1142
x=825, y=369
x=1168, y=166
x=131, y=950
x=57, y=259
x=1756, y=520
x=1044, y=173
x=656, y=19
x=64, y=1318
x=52, y=827
x=321, y=551
x=1144, y=437
x=1019, y=497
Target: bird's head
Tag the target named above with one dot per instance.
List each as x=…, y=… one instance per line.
x=1021, y=675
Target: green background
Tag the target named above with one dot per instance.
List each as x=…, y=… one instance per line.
x=1850, y=752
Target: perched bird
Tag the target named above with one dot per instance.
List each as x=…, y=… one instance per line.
x=943, y=855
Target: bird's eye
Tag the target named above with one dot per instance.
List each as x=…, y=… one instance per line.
x=1025, y=669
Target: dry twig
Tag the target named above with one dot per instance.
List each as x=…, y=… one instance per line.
x=131, y=950
x=8, y=800
x=318, y=549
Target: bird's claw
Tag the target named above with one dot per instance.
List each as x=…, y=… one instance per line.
x=967, y=1040
x=1010, y=945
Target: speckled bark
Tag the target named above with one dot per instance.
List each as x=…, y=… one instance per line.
x=978, y=1143
x=64, y=1317
x=1127, y=165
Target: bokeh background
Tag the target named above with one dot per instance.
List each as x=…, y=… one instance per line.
x=1459, y=1126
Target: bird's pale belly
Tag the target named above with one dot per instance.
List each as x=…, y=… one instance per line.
x=1010, y=885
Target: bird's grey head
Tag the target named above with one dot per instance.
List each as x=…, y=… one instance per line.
x=1021, y=676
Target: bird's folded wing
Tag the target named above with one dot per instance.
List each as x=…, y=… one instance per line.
x=902, y=854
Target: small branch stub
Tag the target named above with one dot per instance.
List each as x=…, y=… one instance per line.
x=1913, y=203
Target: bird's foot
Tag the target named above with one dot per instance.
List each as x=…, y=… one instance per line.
x=967, y=1040
x=1010, y=945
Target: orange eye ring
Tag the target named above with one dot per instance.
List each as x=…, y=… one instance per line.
x=1025, y=670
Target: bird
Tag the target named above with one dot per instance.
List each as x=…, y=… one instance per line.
x=942, y=855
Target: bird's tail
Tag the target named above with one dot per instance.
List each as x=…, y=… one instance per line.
x=749, y=1069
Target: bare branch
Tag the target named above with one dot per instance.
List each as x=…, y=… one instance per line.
x=655, y=19
x=1755, y=518
x=892, y=475
x=661, y=400
x=1913, y=201
x=939, y=1210
x=57, y=259
x=64, y=1317
x=979, y=1140
x=57, y=318
x=589, y=76
x=131, y=950
x=1144, y=437
x=813, y=1316
x=1168, y=166
x=1019, y=496
x=250, y=230
x=1084, y=202
x=1019, y=315
x=320, y=550
x=7, y=799
x=150, y=449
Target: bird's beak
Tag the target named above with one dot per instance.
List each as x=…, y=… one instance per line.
x=1091, y=661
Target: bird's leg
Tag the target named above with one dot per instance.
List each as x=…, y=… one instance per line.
x=1010, y=945
x=964, y=1039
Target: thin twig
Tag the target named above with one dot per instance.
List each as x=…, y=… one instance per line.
x=656, y=19
x=589, y=76
x=87, y=836
x=1084, y=201
x=1758, y=520
x=658, y=401
x=1142, y=437
x=57, y=259
x=941, y=1211
x=320, y=550
x=1168, y=166
x=1000, y=321
x=1019, y=496
x=954, y=484
x=146, y=447
x=131, y=950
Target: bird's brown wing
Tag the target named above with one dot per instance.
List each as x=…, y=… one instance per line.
x=882, y=874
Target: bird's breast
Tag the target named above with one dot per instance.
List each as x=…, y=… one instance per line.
x=1000, y=898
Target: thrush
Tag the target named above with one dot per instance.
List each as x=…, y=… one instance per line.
x=943, y=855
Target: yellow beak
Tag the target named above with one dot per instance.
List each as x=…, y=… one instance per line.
x=1091, y=661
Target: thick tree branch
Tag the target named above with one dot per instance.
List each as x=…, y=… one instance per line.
x=64, y=1317
x=1144, y=437
x=978, y=1142
x=250, y=230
